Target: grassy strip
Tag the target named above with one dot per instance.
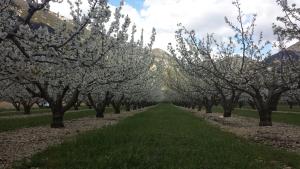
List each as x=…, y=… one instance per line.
x=13, y=112
x=33, y=111
x=282, y=107
x=17, y=123
x=163, y=137
x=289, y=118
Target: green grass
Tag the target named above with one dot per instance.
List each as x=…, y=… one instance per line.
x=286, y=108
x=289, y=118
x=12, y=112
x=282, y=107
x=35, y=110
x=17, y=123
x=163, y=137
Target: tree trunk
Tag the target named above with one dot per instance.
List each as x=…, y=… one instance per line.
x=274, y=104
x=116, y=107
x=228, y=107
x=27, y=109
x=265, y=117
x=58, y=109
x=127, y=107
x=134, y=107
x=264, y=108
x=100, y=112
x=199, y=107
x=227, y=111
x=56, y=103
x=99, y=107
x=77, y=105
x=291, y=104
x=57, y=120
x=241, y=104
x=208, y=104
x=251, y=104
x=208, y=108
x=17, y=105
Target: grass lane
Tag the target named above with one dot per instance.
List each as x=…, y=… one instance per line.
x=17, y=123
x=35, y=110
x=289, y=118
x=163, y=137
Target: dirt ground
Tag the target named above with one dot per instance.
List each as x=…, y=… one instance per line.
x=279, y=135
x=23, y=143
x=6, y=105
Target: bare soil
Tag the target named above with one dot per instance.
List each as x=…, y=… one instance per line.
x=280, y=135
x=5, y=105
x=23, y=143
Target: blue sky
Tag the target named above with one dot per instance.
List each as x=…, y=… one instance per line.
x=137, y=4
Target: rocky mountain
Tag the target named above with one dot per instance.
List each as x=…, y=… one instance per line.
x=295, y=47
x=43, y=17
x=163, y=56
x=292, y=53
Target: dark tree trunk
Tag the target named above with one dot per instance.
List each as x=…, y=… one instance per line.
x=27, y=108
x=77, y=105
x=265, y=117
x=134, y=106
x=16, y=105
x=227, y=110
x=101, y=106
x=208, y=104
x=100, y=111
x=199, y=107
x=241, y=104
x=274, y=104
x=58, y=120
x=117, y=107
x=116, y=104
x=127, y=107
x=56, y=104
x=252, y=104
x=291, y=104
x=265, y=108
x=208, y=108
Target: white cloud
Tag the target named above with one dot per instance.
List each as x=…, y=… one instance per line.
x=204, y=16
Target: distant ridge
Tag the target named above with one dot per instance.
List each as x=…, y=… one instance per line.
x=45, y=17
x=292, y=53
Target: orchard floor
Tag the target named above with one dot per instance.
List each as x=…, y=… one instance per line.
x=280, y=135
x=23, y=143
x=163, y=137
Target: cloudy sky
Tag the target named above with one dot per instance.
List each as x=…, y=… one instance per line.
x=204, y=16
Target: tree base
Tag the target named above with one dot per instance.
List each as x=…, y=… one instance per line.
x=57, y=125
x=226, y=115
x=57, y=122
x=100, y=115
x=265, y=123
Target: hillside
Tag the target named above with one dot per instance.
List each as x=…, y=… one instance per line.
x=292, y=53
x=163, y=56
x=295, y=47
x=49, y=18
